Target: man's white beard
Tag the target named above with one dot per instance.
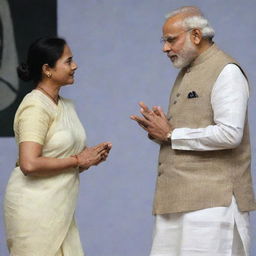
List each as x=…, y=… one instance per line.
x=186, y=55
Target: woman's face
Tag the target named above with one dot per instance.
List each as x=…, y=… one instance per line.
x=64, y=70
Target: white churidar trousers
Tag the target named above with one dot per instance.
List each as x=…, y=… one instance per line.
x=218, y=231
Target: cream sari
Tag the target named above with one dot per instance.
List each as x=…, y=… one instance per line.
x=39, y=212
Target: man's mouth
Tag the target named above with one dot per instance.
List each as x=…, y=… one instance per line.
x=173, y=57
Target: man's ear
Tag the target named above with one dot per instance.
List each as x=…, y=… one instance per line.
x=196, y=36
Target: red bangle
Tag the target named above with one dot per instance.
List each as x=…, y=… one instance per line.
x=77, y=163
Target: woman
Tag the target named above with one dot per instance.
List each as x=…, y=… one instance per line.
x=42, y=191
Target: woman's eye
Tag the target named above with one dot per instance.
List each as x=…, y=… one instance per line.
x=69, y=61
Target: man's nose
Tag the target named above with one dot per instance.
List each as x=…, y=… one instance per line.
x=166, y=47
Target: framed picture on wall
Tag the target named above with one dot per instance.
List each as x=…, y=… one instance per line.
x=21, y=22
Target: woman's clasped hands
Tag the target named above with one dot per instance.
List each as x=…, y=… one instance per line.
x=93, y=155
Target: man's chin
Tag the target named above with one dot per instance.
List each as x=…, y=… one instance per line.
x=182, y=62
x=178, y=65
x=177, y=62
x=175, y=66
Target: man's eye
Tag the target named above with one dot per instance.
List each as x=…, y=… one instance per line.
x=170, y=40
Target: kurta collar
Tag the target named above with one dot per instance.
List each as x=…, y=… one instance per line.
x=211, y=51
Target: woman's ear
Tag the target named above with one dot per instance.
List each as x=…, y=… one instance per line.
x=46, y=70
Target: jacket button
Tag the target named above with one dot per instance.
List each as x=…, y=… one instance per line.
x=175, y=102
x=178, y=94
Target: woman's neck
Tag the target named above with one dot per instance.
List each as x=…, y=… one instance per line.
x=50, y=90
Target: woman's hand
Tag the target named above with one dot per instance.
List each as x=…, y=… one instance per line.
x=93, y=155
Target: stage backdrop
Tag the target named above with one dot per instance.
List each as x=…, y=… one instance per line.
x=116, y=45
x=21, y=22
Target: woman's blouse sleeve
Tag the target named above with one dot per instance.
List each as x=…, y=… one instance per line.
x=32, y=124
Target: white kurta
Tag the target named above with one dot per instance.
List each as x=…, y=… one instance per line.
x=218, y=231
x=39, y=211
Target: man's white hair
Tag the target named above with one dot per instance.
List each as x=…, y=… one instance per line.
x=193, y=18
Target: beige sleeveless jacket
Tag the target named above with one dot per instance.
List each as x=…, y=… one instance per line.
x=193, y=180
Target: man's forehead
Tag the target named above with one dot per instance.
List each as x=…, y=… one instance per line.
x=173, y=25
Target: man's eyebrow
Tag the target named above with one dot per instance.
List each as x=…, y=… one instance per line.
x=170, y=37
x=167, y=38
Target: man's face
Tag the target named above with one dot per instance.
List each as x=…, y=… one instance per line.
x=177, y=43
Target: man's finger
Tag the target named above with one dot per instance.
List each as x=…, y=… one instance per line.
x=144, y=106
x=142, y=126
x=156, y=111
x=161, y=112
x=141, y=120
x=147, y=114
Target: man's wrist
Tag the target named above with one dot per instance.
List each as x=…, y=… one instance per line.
x=169, y=136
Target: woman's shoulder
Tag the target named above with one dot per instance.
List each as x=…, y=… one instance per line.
x=37, y=100
x=67, y=102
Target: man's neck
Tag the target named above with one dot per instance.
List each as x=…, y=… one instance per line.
x=204, y=46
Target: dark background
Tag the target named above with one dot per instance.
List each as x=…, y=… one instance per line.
x=31, y=20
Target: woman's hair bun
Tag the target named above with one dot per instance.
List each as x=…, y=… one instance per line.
x=23, y=72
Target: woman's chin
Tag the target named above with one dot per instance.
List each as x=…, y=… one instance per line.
x=71, y=81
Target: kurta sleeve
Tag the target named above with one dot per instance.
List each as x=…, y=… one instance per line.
x=33, y=123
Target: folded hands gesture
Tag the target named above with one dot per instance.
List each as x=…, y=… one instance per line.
x=154, y=122
x=93, y=155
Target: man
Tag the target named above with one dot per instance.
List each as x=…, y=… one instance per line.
x=204, y=186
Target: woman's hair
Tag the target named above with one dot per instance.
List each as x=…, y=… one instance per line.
x=46, y=50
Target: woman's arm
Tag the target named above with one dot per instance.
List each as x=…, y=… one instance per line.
x=33, y=163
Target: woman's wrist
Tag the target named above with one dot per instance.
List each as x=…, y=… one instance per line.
x=76, y=165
